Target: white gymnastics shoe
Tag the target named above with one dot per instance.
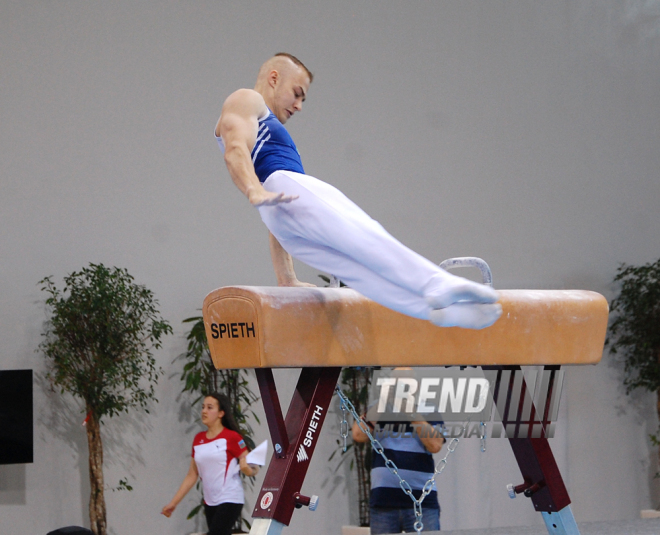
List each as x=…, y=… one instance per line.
x=463, y=290
x=467, y=315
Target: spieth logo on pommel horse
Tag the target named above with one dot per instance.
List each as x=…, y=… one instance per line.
x=241, y=329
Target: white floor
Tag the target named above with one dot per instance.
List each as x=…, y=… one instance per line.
x=642, y=526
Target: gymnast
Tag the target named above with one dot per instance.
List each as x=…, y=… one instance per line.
x=317, y=224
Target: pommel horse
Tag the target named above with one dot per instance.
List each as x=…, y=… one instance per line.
x=323, y=329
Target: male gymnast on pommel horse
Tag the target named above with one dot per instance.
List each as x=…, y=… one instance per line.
x=317, y=224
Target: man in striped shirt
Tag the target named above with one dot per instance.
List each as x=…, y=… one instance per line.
x=410, y=446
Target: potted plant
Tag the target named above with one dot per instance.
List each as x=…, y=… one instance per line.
x=634, y=330
x=99, y=341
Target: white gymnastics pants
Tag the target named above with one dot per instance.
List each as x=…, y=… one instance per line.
x=326, y=230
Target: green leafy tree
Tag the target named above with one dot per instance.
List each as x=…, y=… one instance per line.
x=99, y=341
x=634, y=331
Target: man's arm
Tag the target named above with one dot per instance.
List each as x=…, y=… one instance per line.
x=431, y=438
x=283, y=265
x=358, y=434
x=424, y=430
x=238, y=126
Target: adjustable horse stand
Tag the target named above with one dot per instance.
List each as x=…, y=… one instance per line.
x=294, y=441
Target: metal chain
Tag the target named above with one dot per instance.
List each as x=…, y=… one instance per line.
x=391, y=466
x=482, y=436
x=344, y=426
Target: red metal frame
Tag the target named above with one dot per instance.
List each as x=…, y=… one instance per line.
x=295, y=437
x=542, y=480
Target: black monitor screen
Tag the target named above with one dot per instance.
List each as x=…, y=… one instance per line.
x=16, y=440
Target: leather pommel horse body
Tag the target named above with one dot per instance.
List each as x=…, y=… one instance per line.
x=322, y=330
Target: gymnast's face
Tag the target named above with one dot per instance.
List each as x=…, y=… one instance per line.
x=211, y=413
x=290, y=88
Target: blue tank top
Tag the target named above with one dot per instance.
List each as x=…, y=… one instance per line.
x=274, y=149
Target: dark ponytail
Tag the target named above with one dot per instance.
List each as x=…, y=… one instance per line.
x=225, y=405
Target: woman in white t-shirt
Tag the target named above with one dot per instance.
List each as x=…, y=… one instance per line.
x=218, y=455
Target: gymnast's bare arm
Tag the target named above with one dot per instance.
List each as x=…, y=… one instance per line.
x=283, y=265
x=238, y=126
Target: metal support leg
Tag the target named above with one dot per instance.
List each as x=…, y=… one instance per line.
x=266, y=526
x=526, y=427
x=561, y=523
x=273, y=410
x=297, y=437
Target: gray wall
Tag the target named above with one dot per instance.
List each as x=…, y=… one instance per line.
x=522, y=132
